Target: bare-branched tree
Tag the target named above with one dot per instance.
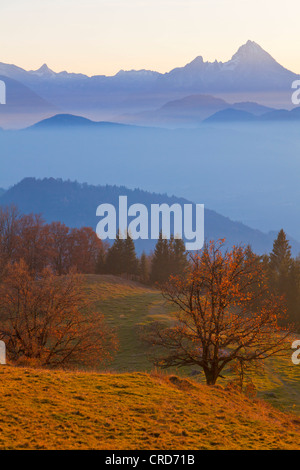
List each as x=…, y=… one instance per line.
x=49, y=319
x=225, y=314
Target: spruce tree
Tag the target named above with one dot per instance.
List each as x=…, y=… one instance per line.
x=144, y=269
x=160, y=260
x=280, y=263
x=180, y=256
x=280, y=257
x=129, y=256
x=284, y=276
x=169, y=257
x=115, y=257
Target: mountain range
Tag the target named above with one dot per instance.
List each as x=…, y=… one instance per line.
x=233, y=114
x=251, y=75
x=75, y=205
x=181, y=116
x=191, y=111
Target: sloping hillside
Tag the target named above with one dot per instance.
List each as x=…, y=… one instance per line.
x=127, y=305
x=63, y=410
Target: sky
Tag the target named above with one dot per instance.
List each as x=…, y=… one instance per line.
x=103, y=36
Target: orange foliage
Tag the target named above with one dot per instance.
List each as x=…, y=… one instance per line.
x=48, y=319
x=225, y=313
x=46, y=245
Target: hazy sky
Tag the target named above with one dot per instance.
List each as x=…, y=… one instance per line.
x=104, y=36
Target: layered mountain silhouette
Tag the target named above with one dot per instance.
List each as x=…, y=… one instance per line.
x=23, y=106
x=250, y=75
x=231, y=115
x=239, y=116
x=63, y=121
x=181, y=118
x=75, y=205
x=282, y=115
x=248, y=171
x=192, y=110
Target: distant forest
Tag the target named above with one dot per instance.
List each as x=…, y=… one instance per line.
x=75, y=204
x=28, y=239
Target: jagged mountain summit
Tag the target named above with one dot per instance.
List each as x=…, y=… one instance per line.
x=43, y=71
x=250, y=68
x=250, y=52
x=252, y=74
x=250, y=56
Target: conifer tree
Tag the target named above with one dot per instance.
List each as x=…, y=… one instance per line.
x=160, y=261
x=115, y=257
x=280, y=263
x=130, y=262
x=284, y=276
x=180, y=256
x=280, y=257
x=169, y=258
x=144, y=268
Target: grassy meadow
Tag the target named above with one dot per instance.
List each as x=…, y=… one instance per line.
x=127, y=305
x=128, y=405
x=41, y=409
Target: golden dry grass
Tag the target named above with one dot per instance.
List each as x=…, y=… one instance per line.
x=42, y=409
x=126, y=305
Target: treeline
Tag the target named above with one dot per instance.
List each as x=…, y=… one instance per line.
x=60, y=248
x=42, y=245
x=169, y=257
x=47, y=316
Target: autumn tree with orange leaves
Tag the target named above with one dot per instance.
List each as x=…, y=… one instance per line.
x=43, y=245
x=225, y=314
x=48, y=320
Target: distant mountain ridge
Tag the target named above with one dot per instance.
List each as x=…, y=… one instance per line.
x=75, y=205
x=236, y=115
x=226, y=115
x=250, y=68
x=62, y=121
x=251, y=74
x=23, y=105
x=231, y=115
x=194, y=75
x=191, y=110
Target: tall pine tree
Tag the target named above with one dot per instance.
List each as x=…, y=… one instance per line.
x=129, y=256
x=144, y=268
x=280, y=263
x=121, y=257
x=169, y=258
x=178, y=256
x=284, y=276
x=160, y=260
x=115, y=257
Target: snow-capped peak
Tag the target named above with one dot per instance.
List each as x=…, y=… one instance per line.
x=251, y=52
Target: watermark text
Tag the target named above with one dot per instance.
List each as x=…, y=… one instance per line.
x=184, y=221
x=2, y=92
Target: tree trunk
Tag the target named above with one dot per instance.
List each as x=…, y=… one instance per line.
x=211, y=376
